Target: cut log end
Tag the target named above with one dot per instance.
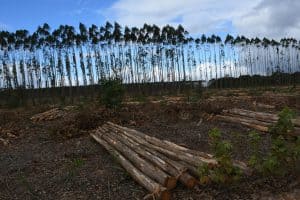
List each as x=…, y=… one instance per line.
x=170, y=183
x=165, y=195
x=158, y=164
x=189, y=181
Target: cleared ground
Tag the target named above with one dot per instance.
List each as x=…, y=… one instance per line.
x=57, y=159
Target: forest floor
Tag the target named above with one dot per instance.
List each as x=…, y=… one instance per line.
x=57, y=159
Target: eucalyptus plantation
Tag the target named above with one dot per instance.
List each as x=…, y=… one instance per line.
x=66, y=57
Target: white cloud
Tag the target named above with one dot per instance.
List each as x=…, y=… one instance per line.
x=272, y=18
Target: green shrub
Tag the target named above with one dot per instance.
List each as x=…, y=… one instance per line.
x=284, y=125
x=280, y=160
x=256, y=157
x=224, y=171
x=112, y=93
x=284, y=152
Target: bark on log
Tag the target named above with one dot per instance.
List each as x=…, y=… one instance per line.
x=266, y=117
x=158, y=159
x=184, y=149
x=194, y=159
x=261, y=105
x=149, y=169
x=261, y=116
x=148, y=147
x=193, y=170
x=246, y=122
x=156, y=189
x=48, y=115
x=189, y=156
x=252, y=123
x=185, y=178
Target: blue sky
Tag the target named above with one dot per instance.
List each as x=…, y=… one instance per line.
x=262, y=18
x=28, y=14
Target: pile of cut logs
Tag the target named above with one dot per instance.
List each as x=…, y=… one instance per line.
x=52, y=114
x=155, y=164
x=260, y=121
x=49, y=115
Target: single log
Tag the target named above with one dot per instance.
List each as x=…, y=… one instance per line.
x=261, y=105
x=193, y=170
x=249, y=120
x=156, y=189
x=158, y=159
x=149, y=169
x=190, y=156
x=246, y=122
x=266, y=117
x=181, y=148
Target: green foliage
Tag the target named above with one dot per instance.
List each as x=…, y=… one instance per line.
x=284, y=124
x=276, y=161
x=112, y=93
x=256, y=158
x=204, y=172
x=224, y=172
x=284, y=152
x=276, y=78
x=283, y=157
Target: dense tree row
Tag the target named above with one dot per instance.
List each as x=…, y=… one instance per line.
x=70, y=57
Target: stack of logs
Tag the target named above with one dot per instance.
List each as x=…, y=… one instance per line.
x=260, y=121
x=155, y=164
x=49, y=115
x=52, y=114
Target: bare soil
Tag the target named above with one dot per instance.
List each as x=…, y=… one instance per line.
x=58, y=159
